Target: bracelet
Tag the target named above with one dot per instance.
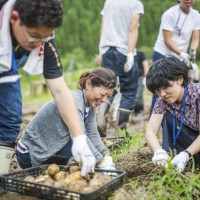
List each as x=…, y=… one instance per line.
x=189, y=154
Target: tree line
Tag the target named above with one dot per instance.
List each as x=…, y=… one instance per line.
x=80, y=30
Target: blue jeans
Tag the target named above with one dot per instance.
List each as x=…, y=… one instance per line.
x=139, y=96
x=60, y=158
x=156, y=56
x=10, y=109
x=184, y=140
x=115, y=61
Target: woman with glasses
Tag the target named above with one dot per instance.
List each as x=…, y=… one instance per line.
x=180, y=24
x=27, y=38
x=47, y=139
x=177, y=110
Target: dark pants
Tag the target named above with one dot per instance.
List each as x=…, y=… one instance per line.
x=184, y=140
x=115, y=61
x=139, y=96
x=10, y=108
x=60, y=158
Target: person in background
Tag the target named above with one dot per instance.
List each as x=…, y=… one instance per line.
x=47, y=139
x=177, y=109
x=118, y=38
x=143, y=67
x=178, y=34
x=27, y=32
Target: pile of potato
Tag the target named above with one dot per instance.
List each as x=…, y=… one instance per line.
x=70, y=180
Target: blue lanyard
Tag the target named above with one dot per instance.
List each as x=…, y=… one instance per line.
x=85, y=113
x=180, y=29
x=15, y=65
x=175, y=135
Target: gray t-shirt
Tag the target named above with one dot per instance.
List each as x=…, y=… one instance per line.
x=46, y=134
x=116, y=21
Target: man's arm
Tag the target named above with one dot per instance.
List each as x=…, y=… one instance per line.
x=145, y=66
x=133, y=32
x=195, y=40
x=65, y=104
x=101, y=26
x=169, y=43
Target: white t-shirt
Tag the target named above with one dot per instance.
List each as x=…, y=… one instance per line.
x=117, y=16
x=182, y=25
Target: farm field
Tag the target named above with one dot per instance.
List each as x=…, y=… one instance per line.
x=143, y=180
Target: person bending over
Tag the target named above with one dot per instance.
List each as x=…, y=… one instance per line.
x=176, y=110
x=47, y=139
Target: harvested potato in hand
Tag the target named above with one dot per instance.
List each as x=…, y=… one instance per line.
x=61, y=175
x=53, y=169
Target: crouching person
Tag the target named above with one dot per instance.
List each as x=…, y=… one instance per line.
x=47, y=139
x=177, y=110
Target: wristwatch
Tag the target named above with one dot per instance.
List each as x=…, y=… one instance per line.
x=189, y=154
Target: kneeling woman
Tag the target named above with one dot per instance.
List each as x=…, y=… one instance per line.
x=177, y=109
x=47, y=140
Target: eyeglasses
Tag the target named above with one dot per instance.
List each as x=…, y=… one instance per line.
x=106, y=83
x=35, y=39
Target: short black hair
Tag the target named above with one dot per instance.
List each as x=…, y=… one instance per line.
x=164, y=70
x=36, y=13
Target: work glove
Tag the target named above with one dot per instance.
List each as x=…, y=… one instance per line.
x=192, y=54
x=129, y=62
x=82, y=154
x=195, y=70
x=185, y=58
x=107, y=164
x=144, y=81
x=160, y=158
x=180, y=161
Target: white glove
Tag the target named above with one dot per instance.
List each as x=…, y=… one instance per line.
x=160, y=158
x=180, y=161
x=107, y=164
x=144, y=81
x=186, y=58
x=129, y=62
x=82, y=154
x=195, y=70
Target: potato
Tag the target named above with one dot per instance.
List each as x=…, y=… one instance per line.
x=78, y=185
x=45, y=172
x=46, y=179
x=72, y=177
x=53, y=169
x=94, y=183
x=29, y=178
x=49, y=181
x=61, y=175
x=60, y=184
x=103, y=177
x=73, y=169
x=87, y=189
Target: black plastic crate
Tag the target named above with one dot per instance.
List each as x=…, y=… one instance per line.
x=14, y=182
x=117, y=142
